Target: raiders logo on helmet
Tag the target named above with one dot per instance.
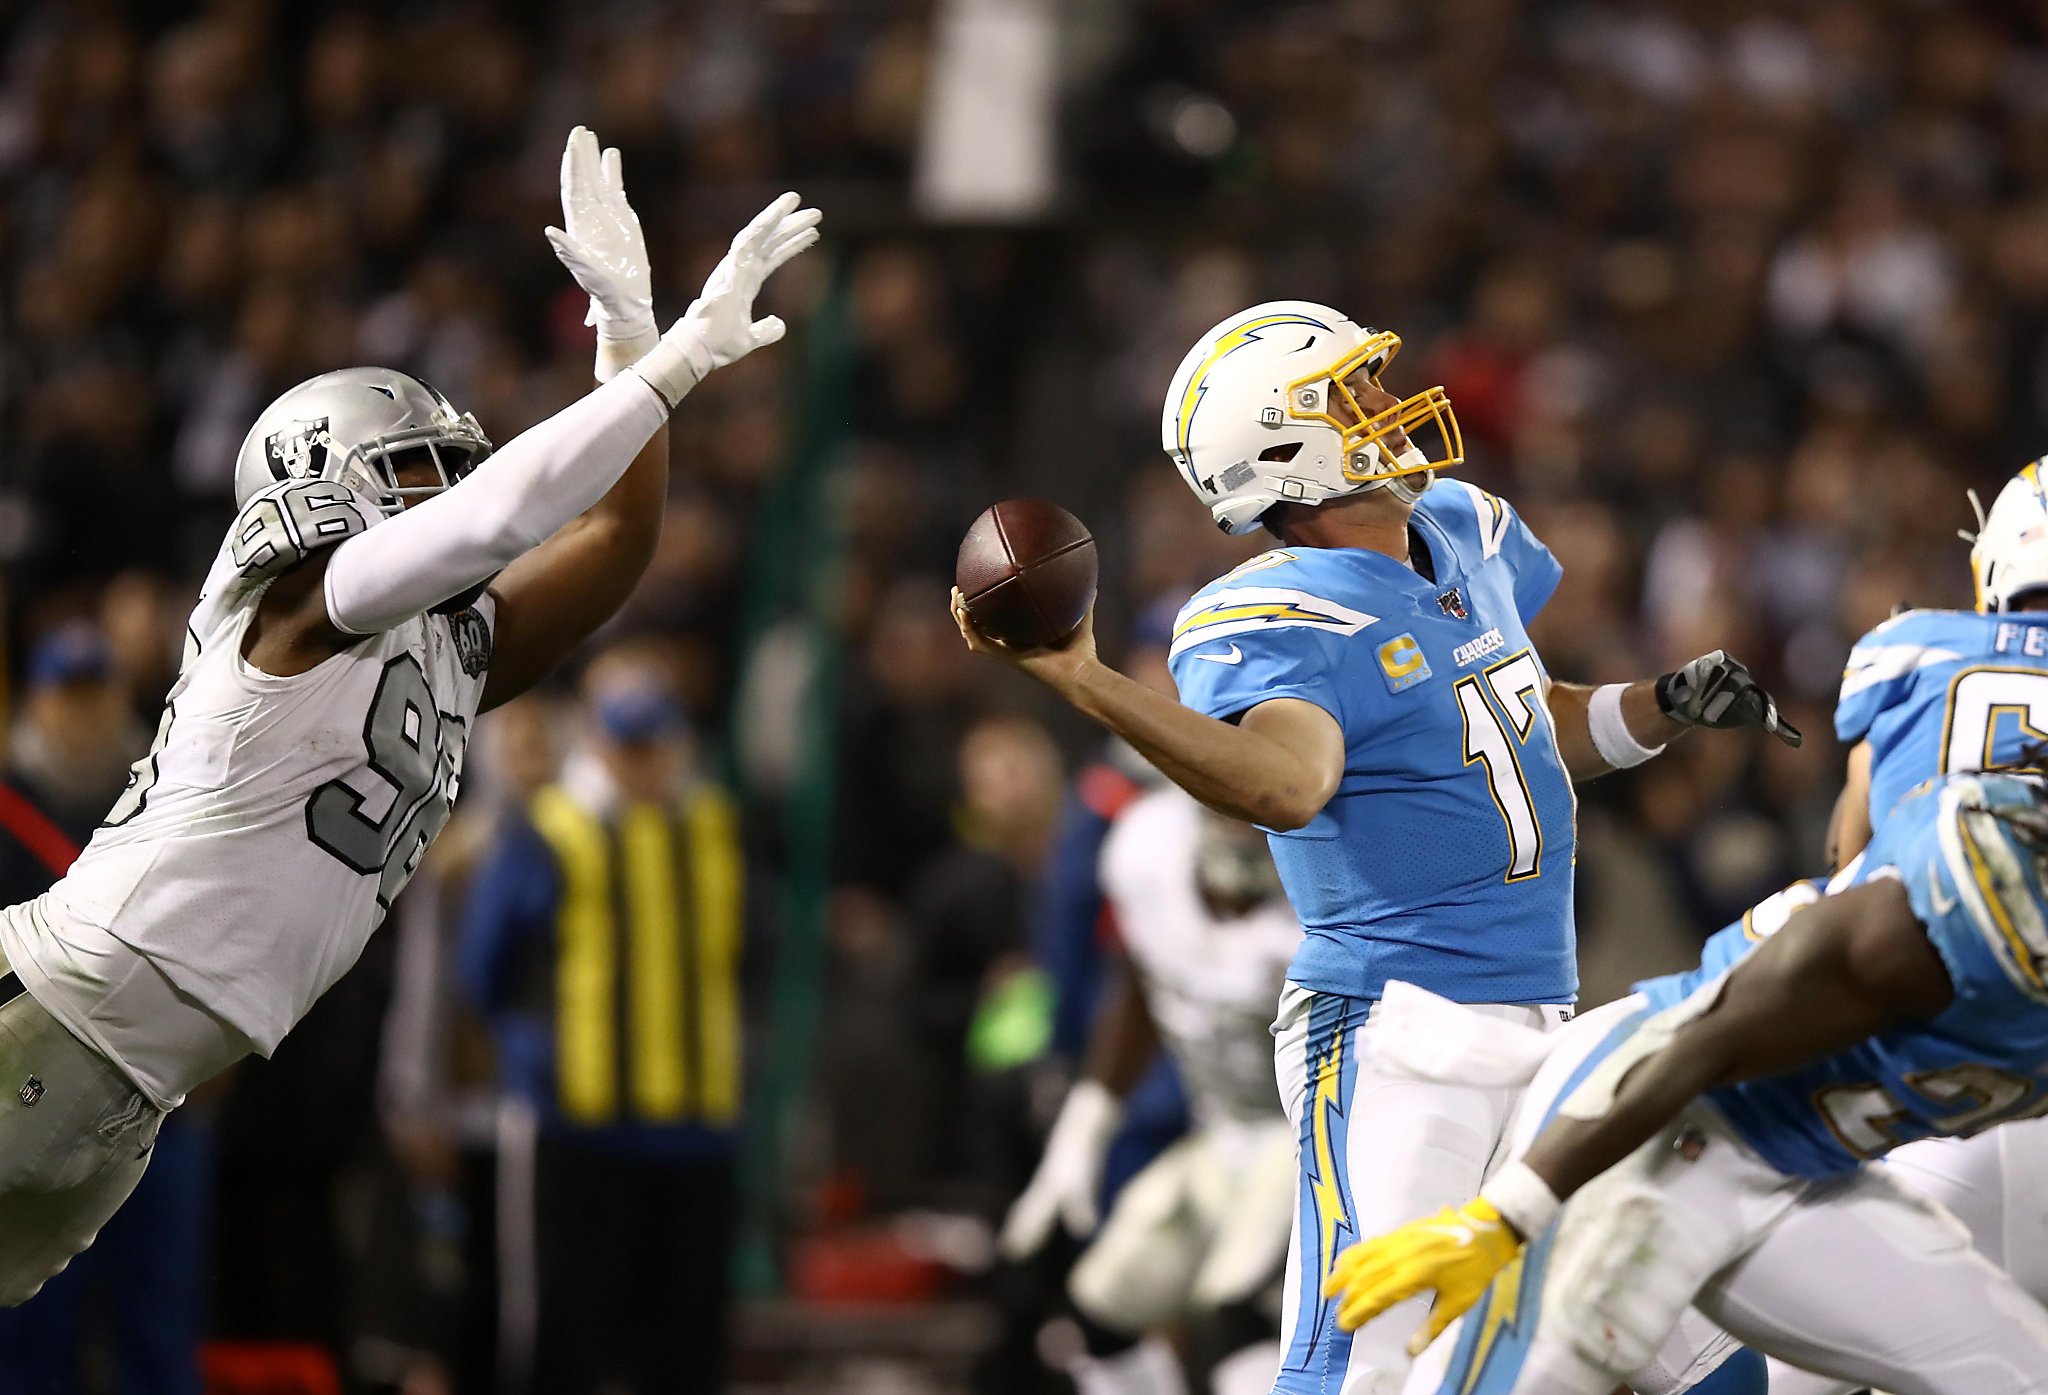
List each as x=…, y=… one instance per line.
x=299, y=451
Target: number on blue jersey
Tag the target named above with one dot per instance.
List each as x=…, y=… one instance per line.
x=1493, y=733
x=1970, y=1097
x=1980, y=702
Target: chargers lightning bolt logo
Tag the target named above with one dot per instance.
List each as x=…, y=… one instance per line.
x=1325, y=1181
x=1501, y=1317
x=1229, y=343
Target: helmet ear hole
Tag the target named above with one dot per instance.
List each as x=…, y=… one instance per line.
x=1281, y=453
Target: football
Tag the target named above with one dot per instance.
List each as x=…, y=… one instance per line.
x=1027, y=571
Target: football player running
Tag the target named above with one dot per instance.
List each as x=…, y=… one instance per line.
x=1706, y=1140
x=383, y=582
x=1201, y=1231
x=1369, y=695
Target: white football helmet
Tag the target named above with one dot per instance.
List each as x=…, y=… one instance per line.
x=2009, y=554
x=1249, y=420
x=347, y=425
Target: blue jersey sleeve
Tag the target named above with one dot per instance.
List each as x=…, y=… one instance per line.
x=1267, y=630
x=1226, y=676
x=1537, y=572
x=1502, y=533
x=1880, y=670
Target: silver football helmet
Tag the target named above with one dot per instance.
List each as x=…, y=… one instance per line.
x=348, y=426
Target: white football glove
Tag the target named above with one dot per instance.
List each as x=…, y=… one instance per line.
x=606, y=252
x=1064, y=1189
x=719, y=328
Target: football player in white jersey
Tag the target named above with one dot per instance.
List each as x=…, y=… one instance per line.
x=1205, y=1227
x=382, y=583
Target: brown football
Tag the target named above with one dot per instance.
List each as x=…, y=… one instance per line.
x=1027, y=570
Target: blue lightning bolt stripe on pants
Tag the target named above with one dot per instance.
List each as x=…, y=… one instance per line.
x=1374, y=1151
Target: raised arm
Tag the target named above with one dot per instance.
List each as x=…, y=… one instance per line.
x=1612, y=728
x=598, y=466
x=1276, y=766
x=553, y=597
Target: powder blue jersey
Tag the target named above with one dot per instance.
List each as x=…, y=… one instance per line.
x=1939, y=692
x=1978, y=890
x=1934, y=692
x=1446, y=855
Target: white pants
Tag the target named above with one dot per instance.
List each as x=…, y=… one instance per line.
x=1854, y=1277
x=1374, y=1152
x=75, y=1136
x=1996, y=1184
x=1204, y=1226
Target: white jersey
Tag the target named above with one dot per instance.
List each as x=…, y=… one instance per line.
x=261, y=840
x=1211, y=981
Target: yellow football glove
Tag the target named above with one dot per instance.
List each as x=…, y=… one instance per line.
x=1455, y=1252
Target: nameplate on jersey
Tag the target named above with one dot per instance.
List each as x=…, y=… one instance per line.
x=2029, y=641
x=1402, y=663
x=1238, y=610
x=1484, y=647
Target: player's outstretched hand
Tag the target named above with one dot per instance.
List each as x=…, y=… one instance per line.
x=1456, y=1253
x=1050, y=665
x=601, y=243
x=719, y=328
x=1063, y=1190
x=1715, y=690
x=723, y=316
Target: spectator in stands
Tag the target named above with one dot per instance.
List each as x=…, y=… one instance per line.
x=603, y=942
x=972, y=979
x=68, y=757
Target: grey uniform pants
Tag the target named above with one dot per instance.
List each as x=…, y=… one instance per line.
x=75, y=1136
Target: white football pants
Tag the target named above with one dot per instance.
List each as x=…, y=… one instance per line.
x=1373, y=1152
x=75, y=1137
x=1204, y=1226
x=1996, y=1184
x=1854, y=1277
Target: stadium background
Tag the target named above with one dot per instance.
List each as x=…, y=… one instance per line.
x=1735, y=298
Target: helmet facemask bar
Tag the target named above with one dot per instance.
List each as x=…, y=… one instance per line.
x=455, y=448
x=1368, y=454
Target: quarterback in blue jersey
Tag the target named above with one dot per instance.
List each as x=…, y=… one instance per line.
x=1368, y=694
x=1705, y=1140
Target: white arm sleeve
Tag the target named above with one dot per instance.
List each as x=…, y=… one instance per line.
x=510, y=505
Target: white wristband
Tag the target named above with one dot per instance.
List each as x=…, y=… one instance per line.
x=677, y=363
x=1616, y=744
x=615, y=356
x=1524, y=1200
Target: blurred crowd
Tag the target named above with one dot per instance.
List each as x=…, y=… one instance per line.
x=1735, y=300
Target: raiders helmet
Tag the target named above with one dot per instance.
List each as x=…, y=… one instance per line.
x=347, y=426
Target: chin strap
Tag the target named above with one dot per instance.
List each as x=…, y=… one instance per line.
x=1409, y=489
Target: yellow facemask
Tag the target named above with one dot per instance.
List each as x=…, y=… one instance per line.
x=1307, y=400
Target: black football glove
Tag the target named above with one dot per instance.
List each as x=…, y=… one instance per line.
x=1715, y=690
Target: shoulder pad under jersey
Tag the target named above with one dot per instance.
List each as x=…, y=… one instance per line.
x=287, y=522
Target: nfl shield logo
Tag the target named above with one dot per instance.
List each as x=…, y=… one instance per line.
x=32, y=1091
x=1453, y=604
